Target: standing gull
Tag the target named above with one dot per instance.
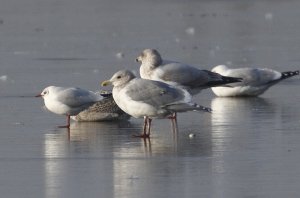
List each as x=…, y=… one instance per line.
x=149, y=99
x=153, y=67
x=68, y=101
x=255, y=80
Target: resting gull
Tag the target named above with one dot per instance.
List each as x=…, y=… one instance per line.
x=153, y=67
x=255, y=80
x=149, y=99
x=103, y=110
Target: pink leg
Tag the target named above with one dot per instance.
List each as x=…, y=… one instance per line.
x=145, y=124
x=68, y=123
x=174, y=125
x=149, y=126
x=146, y=127
x=173, y=116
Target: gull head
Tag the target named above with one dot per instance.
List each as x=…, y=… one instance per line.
x=119, y=78
x=150, y=57
x=220, y=69
x=45, y=92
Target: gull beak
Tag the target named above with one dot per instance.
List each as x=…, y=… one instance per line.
x=106, y=83
x=39, y=95
x=138, y=59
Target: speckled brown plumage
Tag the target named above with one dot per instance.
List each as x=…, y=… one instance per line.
x=104, y=110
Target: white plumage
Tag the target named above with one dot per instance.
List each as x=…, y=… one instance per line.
x=149, y=99
x=255, y=80
x=68, y=101
x=154, y=67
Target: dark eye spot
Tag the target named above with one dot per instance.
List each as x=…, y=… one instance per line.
x=118, y=77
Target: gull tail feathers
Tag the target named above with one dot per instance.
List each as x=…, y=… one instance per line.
x=289, y=74
x=187, y=107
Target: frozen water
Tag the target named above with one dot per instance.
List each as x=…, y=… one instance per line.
x=248, y=147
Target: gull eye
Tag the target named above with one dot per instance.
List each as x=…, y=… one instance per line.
x=118, y=77
x=45, y=92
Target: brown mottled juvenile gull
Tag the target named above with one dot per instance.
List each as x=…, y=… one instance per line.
x=103, y=110
x=153, y=67
x=255, y=80
x=149, y=99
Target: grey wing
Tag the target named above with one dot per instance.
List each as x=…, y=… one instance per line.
x=254, y=76
x=187, y=75
x=154, y=93
x=75, y=97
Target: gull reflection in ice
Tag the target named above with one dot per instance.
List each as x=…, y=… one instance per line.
x=236, y=122
x=163, y=159
x=233, y=121
x=55, y=149
x=233, y=116
x=235, y=111
x=82, y=160
x=105, y=159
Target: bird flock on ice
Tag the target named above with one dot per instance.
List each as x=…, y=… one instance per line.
x=164, y=88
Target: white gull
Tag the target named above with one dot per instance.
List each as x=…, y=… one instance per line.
x=255, y=80
x=142, y=98
x=154, y=67
x=68, y=101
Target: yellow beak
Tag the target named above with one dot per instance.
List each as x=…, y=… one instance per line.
x=106, y=83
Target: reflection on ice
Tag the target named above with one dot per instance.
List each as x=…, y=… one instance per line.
x=71, y=157
x=232, y=117
x=230, y=111
x=236, y=122
x=125, y=165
